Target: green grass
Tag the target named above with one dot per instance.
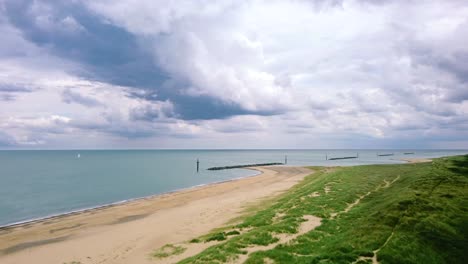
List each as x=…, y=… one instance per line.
x=217, y=237
x=195, y=240
x=421, y=217
x=233, y=232
x=220, y=236
x=168, y=250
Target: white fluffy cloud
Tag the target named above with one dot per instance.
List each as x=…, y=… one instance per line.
x=51, y=107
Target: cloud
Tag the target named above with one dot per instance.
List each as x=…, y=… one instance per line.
x=152, y=112
x=9, y=91
x=12, y=88
x=201, y=67
x=6, y=140
x=68, y=96
x=202, y=73
x=106, y=52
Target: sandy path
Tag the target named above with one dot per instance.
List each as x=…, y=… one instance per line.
x=128, y=233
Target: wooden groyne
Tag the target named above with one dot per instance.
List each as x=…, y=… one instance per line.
x=340, y=158
x=388, y=154
x=408, y=153
x=243, y=166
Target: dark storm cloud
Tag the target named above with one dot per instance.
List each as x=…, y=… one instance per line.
x=206, y=107
x=110, y=53
x=146, y=113
x=152, y=113
x=186, y=107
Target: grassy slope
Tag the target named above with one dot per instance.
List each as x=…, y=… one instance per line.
x=410, y=213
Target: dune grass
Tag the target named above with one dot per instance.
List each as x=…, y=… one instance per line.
x=408, y=213
x=168, y=250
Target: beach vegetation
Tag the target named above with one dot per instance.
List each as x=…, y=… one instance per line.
x=219, y=234
x=400, y=213
x=216, y=237
x=233, y=232
x=168, y=250
x=195, y=240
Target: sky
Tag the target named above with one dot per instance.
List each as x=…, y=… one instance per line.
x=133, y=74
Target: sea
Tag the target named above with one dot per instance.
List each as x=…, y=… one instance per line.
x=36, y=184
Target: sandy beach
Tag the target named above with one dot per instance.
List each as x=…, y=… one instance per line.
x=130, y=232
x=416, y=160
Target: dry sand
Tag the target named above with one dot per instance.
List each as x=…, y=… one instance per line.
x=128, y=233
x=417, y=160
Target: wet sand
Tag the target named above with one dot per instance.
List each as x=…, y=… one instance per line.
x=129, y=232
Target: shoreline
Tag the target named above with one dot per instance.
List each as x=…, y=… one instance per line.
x=122, y=202
x=129, y=232
x=127, y=201
x=37, y=220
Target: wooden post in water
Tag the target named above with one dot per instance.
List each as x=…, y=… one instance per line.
x=326, y=156
x=286, y=159
x=198, y=165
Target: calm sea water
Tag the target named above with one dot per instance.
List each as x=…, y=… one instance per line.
x=36, y=184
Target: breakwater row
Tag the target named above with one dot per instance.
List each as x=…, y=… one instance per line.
x=244, y=166
x=340, y=158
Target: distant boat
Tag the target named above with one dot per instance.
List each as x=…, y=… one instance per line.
x=78, y=156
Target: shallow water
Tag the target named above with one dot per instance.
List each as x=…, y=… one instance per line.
x=35, y=184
